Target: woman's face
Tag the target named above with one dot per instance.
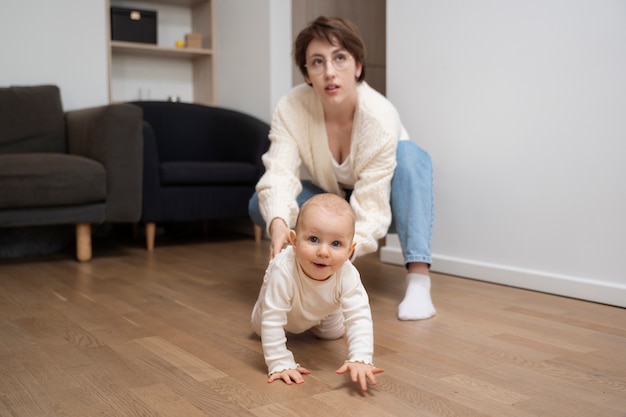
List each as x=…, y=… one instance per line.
x=332, y=71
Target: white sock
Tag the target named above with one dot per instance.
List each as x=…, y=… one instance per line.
x=416, y=304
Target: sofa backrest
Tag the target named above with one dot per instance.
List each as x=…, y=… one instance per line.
x=32, y=120
x=195, y=132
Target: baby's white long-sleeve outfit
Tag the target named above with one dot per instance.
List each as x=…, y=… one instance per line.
x=290, y=301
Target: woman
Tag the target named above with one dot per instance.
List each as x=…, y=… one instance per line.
x=350, y=140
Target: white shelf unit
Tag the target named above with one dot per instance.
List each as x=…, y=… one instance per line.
x=140, y=71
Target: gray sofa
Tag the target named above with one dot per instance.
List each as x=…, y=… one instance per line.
x=79, y=167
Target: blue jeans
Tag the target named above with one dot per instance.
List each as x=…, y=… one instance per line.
x=412, y=203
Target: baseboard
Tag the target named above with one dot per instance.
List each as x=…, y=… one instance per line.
x=391, y=255
x=568, y=286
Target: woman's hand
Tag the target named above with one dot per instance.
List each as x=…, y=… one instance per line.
x=360, y=372
x=279, y=236
x=289, y=375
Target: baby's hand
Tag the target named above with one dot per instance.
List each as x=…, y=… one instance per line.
x=289, y=375
x=360, y=372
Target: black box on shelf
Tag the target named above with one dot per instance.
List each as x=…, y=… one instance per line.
x=133, y=25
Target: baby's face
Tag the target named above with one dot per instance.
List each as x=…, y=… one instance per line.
x=323, y=242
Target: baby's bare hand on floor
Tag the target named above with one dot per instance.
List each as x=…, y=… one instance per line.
x=289, y=375
x=361, y=373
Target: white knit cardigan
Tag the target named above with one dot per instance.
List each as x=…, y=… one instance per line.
x=298, y=138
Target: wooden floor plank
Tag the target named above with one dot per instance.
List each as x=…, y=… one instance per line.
x=189, y=364
x=167, y=333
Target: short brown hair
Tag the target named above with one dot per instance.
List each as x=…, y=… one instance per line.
x=336, y=31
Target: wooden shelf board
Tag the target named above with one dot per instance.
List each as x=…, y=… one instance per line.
x=146, y=49
x=182, y=3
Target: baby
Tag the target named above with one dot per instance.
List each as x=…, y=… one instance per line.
x=312, y=285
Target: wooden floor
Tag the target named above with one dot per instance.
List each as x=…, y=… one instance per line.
x=167, y=333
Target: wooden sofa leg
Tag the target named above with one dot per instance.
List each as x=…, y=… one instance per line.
x=150, y=236
x=258, y=233
x=83, y=242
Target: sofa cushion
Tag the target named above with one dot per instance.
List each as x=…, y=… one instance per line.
x=31, y=119
x=50, y=179
x=209, y=173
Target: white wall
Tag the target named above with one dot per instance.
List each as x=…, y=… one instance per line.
x=58, y=42
x=281, y=60
x=253, y=67
x=522, y=106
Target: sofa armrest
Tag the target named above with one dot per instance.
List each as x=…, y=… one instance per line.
x=151, y=175
x=112, y=135
x=250, y=139
x=261, y=148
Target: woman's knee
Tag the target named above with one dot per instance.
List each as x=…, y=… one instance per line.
x=412, y=163
x=409, y=154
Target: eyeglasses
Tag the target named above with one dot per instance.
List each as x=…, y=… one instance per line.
x=317, y=65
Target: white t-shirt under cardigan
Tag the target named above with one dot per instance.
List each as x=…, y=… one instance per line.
x=298, y=137
x=293, y=302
